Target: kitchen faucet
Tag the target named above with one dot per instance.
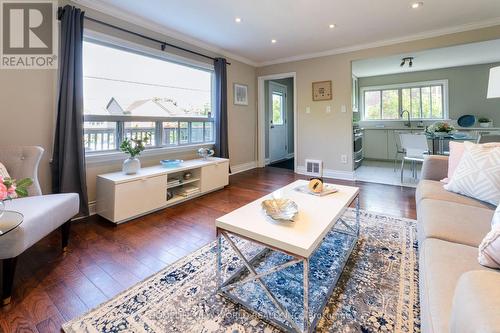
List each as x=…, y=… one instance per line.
x=408, y=123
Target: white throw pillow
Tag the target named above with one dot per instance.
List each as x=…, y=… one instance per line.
x=489, y=250
x=478, y=173
x=3, y=171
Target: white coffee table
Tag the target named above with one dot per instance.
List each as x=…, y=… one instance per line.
x=299, y=239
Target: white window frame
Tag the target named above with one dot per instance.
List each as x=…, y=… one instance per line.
x=443, y=83
x=127, y=46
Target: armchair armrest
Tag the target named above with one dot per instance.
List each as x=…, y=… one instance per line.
x=22, y=162
x=435, y=167
x=476, y=303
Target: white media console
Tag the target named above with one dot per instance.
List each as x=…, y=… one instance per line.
x=121, y=197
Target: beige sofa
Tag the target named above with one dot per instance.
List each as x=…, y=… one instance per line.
x=457, y=294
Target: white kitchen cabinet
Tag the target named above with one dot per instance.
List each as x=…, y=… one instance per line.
x=375, y=144
x=121, y=197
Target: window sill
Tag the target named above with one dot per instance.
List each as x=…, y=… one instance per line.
x=115, y=156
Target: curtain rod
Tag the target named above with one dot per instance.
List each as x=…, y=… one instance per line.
x=163, y=44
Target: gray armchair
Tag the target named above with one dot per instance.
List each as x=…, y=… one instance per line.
x=42, y=213
x=22, y=162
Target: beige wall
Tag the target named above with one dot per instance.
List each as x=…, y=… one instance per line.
x=327, y=136
x=27, y=104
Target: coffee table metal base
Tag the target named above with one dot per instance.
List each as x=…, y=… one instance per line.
x=236, y=279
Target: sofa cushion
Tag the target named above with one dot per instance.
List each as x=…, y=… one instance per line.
x=42, y=215
x=453, y=222
x=431, y=189
x=476, y=303
x=478, y=173
x=441, y=265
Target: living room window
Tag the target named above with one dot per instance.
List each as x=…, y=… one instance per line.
x=133, y=94
x=424, y=101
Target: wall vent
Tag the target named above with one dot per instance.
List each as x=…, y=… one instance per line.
x=314, y=167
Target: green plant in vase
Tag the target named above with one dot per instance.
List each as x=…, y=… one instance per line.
x=484, y=122
x=133, y=147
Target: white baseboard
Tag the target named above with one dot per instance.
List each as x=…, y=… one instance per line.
x=92, y=208
x=243, y=167
x=329, y=173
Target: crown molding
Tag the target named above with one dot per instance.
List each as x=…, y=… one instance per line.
x=106, y=9
x=387, y=42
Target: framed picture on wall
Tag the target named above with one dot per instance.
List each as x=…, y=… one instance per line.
x=240, y=94
x=322, y=90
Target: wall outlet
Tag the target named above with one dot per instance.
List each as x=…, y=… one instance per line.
x=328, y=109
x=343, y=108
x=343, y=159
x=308, y=109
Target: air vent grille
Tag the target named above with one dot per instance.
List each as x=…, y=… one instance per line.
x=314, y=167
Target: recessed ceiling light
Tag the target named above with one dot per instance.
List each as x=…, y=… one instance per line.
x=416, y=5
x=237, y=20
x=273, y=41
x=331, y=26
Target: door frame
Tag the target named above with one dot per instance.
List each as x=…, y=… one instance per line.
x=285, y=115
x=261, y=116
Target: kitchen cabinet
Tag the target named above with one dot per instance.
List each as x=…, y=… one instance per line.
x=376, y=144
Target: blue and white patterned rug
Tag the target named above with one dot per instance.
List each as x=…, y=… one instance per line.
x=378, y=291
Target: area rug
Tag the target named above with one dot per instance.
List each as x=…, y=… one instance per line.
x=377, y=292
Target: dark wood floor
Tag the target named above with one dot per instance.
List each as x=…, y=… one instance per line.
x=104, y=260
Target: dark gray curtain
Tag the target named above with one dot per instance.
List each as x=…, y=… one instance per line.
x=68, y=161
x=221, y=128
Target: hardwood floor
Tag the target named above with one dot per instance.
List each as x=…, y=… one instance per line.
x=103, y=260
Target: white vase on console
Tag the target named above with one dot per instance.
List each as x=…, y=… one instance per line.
x=131, y=165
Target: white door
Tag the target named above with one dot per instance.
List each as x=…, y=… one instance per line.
x=278, y=136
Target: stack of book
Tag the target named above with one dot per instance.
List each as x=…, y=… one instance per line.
x=189, y=190
x=173, y=182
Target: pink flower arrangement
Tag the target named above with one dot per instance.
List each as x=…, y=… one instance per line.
x=10, y=188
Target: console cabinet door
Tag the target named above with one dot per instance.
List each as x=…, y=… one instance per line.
x=214, y=176
x=139, y=196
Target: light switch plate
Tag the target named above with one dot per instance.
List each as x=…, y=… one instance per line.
x=308, y=109
x=328, y=109
x=343, y=108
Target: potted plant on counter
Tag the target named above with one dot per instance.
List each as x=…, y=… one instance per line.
x=484, y=122
x=440, y=128
x=132, y=147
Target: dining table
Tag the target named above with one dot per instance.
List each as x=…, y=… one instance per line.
x=440, y=140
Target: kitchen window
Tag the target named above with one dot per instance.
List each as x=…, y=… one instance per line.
x=423, y=100
x=133, y=94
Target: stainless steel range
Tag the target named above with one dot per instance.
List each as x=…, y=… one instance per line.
x=358, y=137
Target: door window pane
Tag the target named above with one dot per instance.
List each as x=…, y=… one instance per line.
x=99, y=136
x=141, y=130
x=390, y=104
x=171, y=133
x=278, y=118
x=372, y=104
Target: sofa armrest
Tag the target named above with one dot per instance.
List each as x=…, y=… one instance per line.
x=435, y=167
x=476, y=303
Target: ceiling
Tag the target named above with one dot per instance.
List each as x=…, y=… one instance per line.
x=301, y=27
x=453, y=56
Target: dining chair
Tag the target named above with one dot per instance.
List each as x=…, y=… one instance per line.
x=488, y=137
x=399, y=150
x=415, y=147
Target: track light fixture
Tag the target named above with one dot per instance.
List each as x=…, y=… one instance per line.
x=405, y=60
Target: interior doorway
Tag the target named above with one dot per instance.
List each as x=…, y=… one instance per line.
x=279, y=123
